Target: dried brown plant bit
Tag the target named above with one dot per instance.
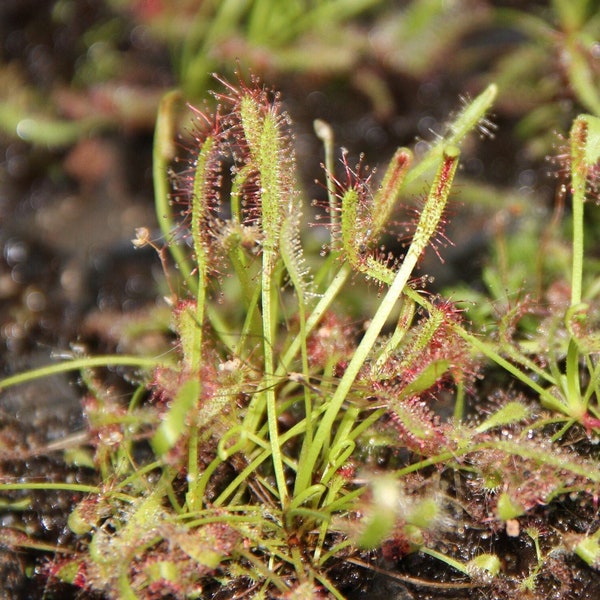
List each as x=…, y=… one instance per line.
x=142, y=237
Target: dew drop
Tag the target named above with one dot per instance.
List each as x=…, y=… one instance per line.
x=48, y=522
x=35, y=300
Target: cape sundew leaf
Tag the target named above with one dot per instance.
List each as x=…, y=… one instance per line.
x=174, y=423
x=427, y=378
x=510, y=413
x=291, y=253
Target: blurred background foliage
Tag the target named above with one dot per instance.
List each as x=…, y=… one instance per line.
x=71, y=66
x=80, y=83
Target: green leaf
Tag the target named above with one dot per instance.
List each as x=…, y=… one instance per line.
x=382, y=517
x=424, y=514
x=509, y=413
x=484, y=562
x=592, y=146
x=589, y=550
x=571, y=13
x=427, y=378
x=507, y=509
x=174, y=423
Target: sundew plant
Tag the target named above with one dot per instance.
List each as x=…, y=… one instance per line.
x=276, y=442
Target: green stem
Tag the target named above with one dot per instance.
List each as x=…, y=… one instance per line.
x=315, y=316
x=47, y=485
x=585, y=154
x=269, y=260
x=325, y=134
x=426, y=227
x=163, y=152
x=77, y=364
x=308, y=405
x=577, y=268
x=466, y=122
x=579, y=170
x=452, y=562
x=487, y=350
x=323, y=432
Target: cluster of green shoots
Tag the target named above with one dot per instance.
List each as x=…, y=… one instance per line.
x=267, y=418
